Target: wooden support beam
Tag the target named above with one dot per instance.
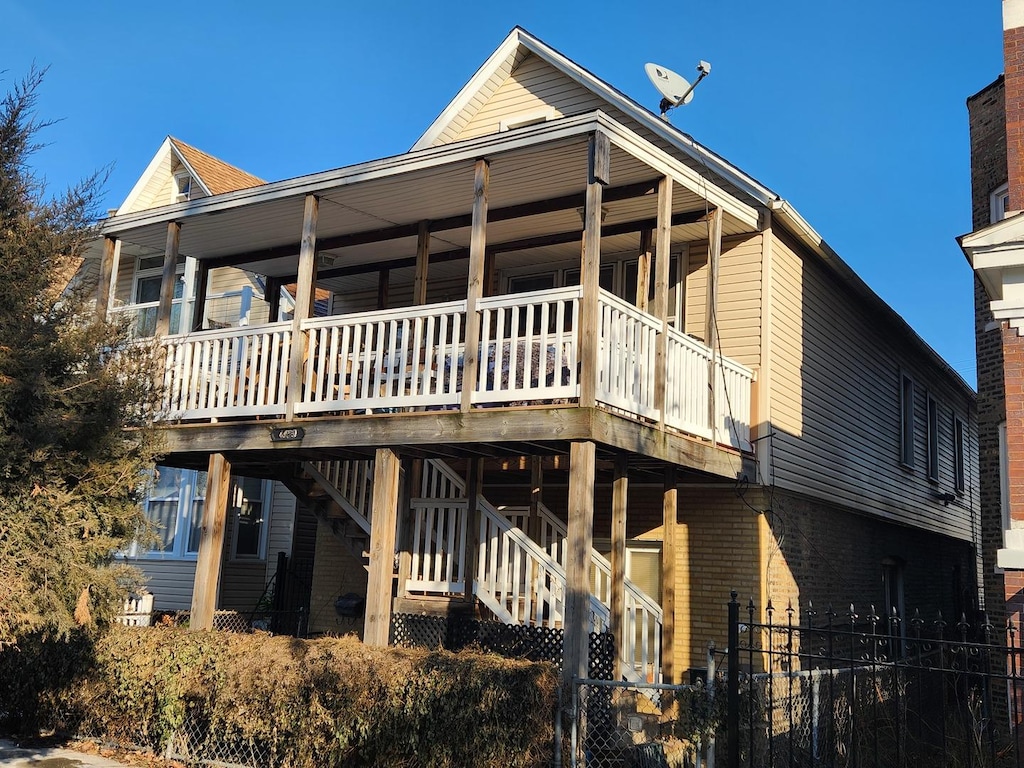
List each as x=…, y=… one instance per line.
x=711, y=315
x=579, y=543
x=202, y=286
x=474, y=291
x=620, y=494
x=471, y=553
x=110, y=247
x=272, y=295
x=383, y=288
x=168, y=279
x=661, y=286
x=419, y=285
x=590, y=270
x=305, y=292
x=211, y=543
x=670, y=506
x=115, y=267
x=412, y=489
x=534, y=208
x=643, y=270
x=386, y=470
x=536, y=496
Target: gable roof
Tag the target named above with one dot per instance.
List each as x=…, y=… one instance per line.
x=213, y=176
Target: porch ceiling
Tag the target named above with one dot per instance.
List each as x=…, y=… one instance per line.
x=533, y=165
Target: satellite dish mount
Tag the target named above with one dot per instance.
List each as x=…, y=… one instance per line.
x=674, y=89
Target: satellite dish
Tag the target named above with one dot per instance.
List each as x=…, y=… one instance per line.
x=674, y=88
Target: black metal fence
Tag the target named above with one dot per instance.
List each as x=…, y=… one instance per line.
x=849, y=689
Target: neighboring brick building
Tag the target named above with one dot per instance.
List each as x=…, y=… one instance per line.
x=996, y=251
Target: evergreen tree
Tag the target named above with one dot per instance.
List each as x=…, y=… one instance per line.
x=75, y=437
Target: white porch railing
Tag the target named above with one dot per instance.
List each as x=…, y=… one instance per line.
x=227, y=372
x=412, y=357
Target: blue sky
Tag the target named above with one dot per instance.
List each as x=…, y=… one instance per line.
x=854, y=112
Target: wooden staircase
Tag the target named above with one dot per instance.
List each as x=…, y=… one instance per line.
x=519, y=581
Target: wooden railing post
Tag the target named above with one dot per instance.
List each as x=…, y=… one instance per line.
x=211, y=543
x=202, y=286
x=168, y=279
x=305, y=292
x=471, y=553
x=475, y=288
x=661, y=288
x=386, y=469
x=599, y=153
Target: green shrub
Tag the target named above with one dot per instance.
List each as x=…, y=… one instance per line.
x=308, y=703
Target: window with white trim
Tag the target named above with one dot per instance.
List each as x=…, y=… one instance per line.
x=906, y=421
x=933, y=439
x=146, y=294
x=182, y=186
x=999, y=203
x=175, y=511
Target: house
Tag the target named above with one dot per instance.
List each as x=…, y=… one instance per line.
x=578, y=373
x=995, y=250
x=263, y=518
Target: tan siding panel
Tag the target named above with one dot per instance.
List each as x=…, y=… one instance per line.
x=170, y=582
x=835, y=403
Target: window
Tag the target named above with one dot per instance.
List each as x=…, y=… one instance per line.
x=906, y=421
x=892, y=599
x=959, y=467
x=148, y=278
x=175, y=508
x=247, y=511
x=999, y=203
x=933, y=439
x=182, y=187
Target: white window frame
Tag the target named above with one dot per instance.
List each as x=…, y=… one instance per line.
x=183, y=269
x=999, y=203
x=177, y=195
x=189, y=492
x=266, y=491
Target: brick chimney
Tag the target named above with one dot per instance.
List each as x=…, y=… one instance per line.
x=1013, y=65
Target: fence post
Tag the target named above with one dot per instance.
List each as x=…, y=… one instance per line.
x=733, y=679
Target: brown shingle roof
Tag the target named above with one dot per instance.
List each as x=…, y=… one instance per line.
x=217, y=175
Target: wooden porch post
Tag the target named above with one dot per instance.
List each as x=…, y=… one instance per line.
x=474, y=291
x=599, y=152
x=643, y=269
x=386, y=468
x=620, y=492
x=305, y=292
x=170, y=274
x=661, y=288
x=202, y=286
x=419, y=286
x=711, y=315
x=211, y=543
x=383, y=288
x=536, y=497
x=412, y=490
x=471, y=553
x=111, y=246
x=575, y=645
x=670, y=501
x=272, y=295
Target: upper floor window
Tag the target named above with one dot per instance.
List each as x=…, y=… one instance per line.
x=999, y=203
x=959, y=466
x=182, y=186
x=146, y=293
x=906, y=420
x=933, y=439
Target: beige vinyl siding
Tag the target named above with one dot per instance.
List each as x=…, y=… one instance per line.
x=170, y=582
x=835, y=404
x=534, y=84
x=739, y=297
x=281, y=535
x=157, y=191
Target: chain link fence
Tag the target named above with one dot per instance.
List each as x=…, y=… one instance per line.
x=635, y=725
x=195, y=743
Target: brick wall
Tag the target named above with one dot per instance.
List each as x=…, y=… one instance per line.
x=335, y=572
